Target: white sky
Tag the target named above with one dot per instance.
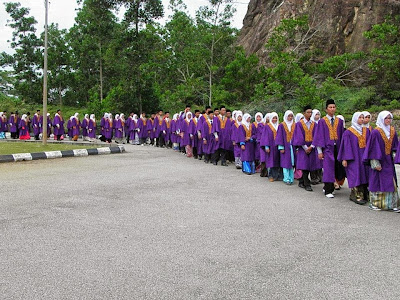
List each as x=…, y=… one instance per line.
x=63, y=12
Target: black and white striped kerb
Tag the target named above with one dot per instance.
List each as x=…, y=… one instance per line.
x=60, y=154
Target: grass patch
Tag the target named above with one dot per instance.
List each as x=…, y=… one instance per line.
x=27, y=147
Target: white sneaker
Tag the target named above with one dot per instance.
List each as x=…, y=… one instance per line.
x=397, y=210
x=372, y=207
x=329, y=196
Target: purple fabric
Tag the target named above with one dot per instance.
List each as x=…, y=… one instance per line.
x=281, y=140
x=48, y=125
x=3, y=124
x=158, y=125
x=118, y=129
x=13, y=122
x=92, y=129
x=142, y=126
x=206, y=134
x=194, y=140
x=85, y=125
x=132, y=129
x=380, y=181
x=224, y=141
x=60, y=122
x=322, y=139
x=257, y=132
x=36, y=124
x=166, y=126
x=234, y=139
x=272, y=159
x=127, y=125
x=69, y=128
x=357, y=172
x=248, y=153
x=76, y=127
x=185, y=129
x=151, y=128
x=23, y=128
x=108, y=129
x=304, y=161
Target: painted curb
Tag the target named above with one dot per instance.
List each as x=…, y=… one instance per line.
x=61, y=154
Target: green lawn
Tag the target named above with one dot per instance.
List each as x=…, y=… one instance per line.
x=15, y=147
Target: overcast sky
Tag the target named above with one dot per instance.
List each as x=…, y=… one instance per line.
x=63, y=12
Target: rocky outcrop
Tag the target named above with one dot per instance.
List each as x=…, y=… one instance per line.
x=340, y=23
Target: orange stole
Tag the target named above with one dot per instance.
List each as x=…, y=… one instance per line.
x=255, y=124
x=362, y=138
x=273, y=129
x=209, y=125
x=332, y=129
x=289, y=134
x=388, y=142
x=144, y=122
x=168, y=123
x=223, y=123
x=248, y=131
x=308, y=132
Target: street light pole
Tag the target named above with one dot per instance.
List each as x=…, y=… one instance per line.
x=44, y=135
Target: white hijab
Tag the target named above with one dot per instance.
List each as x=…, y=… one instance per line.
x=285, y=119
x=298, y=117
x=76, y=116
x=314, y=113
x=267, y=117
x=365, y=113
x=87, y=116
x=261, y=115
x=354, y=122
x=106, y=116
x=24, y=116
x=122, y=117
x=271, y=116
x=234, y=114
x=380, y=122
x=244, y=121
x=239, y=114
x=92, y=117
x=187, y=116
x=175, y=117
x=117, y=117
x=342, y=118
x=135, y=117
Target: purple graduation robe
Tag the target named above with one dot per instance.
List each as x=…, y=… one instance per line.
x=92, y=129
x=108, y=129
x=48, y=125
x=127, y=125
x=166, y=126
x=327, y=137
x=221, y=127
x=118, y=129
x=85, y=125
x=36, y=124
x=234, y=139
x=379, y=147
x=208, y=136
x=58, y=124
x=248, y=153
x=13, y=121
x=142, y=126
x=194, y=140
x=303, y=136
x=151, y=128
x=257, y=132
x=76, y=126
x=352, y=150
x=23, y=129
x=185, y=129
x=284, y=138
x=272, y=159
x=132, y=129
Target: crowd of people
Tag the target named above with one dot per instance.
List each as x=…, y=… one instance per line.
x=305, y=146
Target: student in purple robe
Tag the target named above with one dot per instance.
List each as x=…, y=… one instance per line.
x=367, y=120
x=263, y=167
x=166, y=130
x=257, y=129
x=142, y=129
x=85, y=127
x=108, y=128
x=174, y=137
x=187, y=135
x=36, y=125
x=327, y=139
x=284, y=139
x=134, y=137
x=200, y=145
x=208, y=137
x=246, y=142
x=13, y=125
x=58, y=124
x=159, y=134
x=23, y=128
x=354, y=141
x=3, y=123
x=306, y=159
x=235, y=138
x=49, y=125
x=378, y=154
x=102, y=122
x=268, y=143
x=228, y=142
x=76, y=127
x=69, y=128
x=221, y=135
x=193, y=134
x=127, y=126
x=151, y=129
x=118, y=129
x=316, y=175
x=92, y=128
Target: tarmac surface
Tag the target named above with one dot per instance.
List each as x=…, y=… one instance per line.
x=152, y=224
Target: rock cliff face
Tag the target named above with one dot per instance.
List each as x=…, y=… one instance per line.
x=341, y=23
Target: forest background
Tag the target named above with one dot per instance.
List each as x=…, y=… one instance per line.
x=136, y=64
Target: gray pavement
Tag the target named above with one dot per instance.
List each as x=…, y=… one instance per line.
x=152, y=224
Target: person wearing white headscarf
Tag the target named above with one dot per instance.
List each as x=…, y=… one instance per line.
x=342, y=118
x=327, y=139
x=258, y=128
x=246, y=140
x=23, y=128
x=234, y=138
x=299, y=116
x=92, y=128
x=85, y=128
x=284, y=138
x=267, y=143
x=367, y=120
x=379, y=155
x=174, y=133
x=118, y=127
x=351, y=151
x=186, y=140
x=266, y=118
x=76, y=127
x=108, y=127
x=316, y=116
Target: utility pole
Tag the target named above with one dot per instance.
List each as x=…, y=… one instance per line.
x=44, y=135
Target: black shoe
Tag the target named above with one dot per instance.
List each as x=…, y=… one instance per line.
x=224, y=164
x=308, y=189
x=301, y=185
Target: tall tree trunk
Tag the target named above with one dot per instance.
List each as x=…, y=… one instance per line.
x=101, y=75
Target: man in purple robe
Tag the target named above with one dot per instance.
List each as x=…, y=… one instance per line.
x=194, y=134
x=327, y=139
x=158, y=126
x=142, y=128
x=220, y=130
x=306, y=160
x=58, y=124
x=151, y=129
x=166, y=131
x=13, y=125
x=36, y=125
x=207, y=136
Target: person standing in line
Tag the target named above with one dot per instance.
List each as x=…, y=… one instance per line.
x=13, y=125
x=49, y=125
x=85, y=127
x=284, y=138
x=92, y=128
x=127, y=127
x=246, y=141
x=367, y=120
x=151, y=129
x=235, y=138
x=69, y=128
x=108, y=128
x=76, y=127
x=193, y=134
x=187, y=135
x=159, y=134
x=351, y=151
x=36, y=125
x=316, y=175
x=268, y=143
x=257, y=129
x=208, y=137
x=383, y=194
x=327, y=139
x=306, y=159
x=58, y=124
x=3, y=124
x=23, y=128
x=220, y=131
x=118, y=129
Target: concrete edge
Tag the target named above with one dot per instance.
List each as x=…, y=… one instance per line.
x=60, y=154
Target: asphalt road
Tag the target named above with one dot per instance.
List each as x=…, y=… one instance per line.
x=152, y=224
